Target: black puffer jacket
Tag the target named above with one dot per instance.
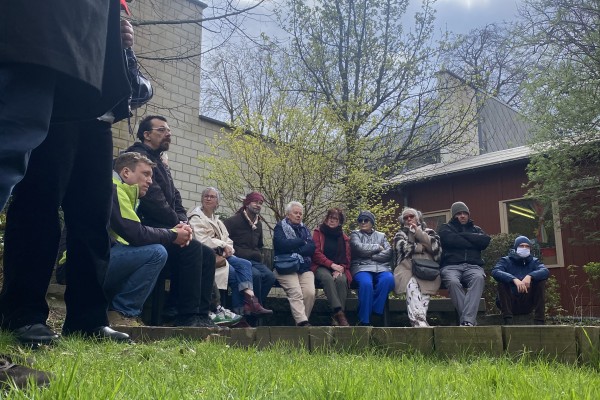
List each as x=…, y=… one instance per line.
x=161, y=207
x=462, y=243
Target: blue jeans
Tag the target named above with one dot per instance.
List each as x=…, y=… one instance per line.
x=373, y=290
x=240, y=278
x=132, y=273
x=263, y=280
x=26, y=96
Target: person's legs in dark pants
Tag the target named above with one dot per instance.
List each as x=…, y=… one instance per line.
x=26, y=99
x=263, y=280
x=33, y=230
x=87, y=205
x=505, y=302
x=538, y=297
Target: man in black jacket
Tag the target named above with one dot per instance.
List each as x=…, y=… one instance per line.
x=245, y=229
x=462, y=243
x=192, y=267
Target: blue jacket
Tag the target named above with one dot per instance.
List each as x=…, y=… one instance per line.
x=513, y=266
x=303, y=244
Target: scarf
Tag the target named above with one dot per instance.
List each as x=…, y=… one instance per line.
x=252, y=223
x=334, y=246
x=291, y=233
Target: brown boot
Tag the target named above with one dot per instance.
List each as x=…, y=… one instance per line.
x=18, y=375
x=340, y=318
x=253, y=307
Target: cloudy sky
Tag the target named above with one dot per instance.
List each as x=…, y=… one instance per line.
x=460, y=16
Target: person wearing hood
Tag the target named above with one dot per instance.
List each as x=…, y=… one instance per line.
x=415, y=241
x=462, y=271
x=371, y=267
x=521, y=283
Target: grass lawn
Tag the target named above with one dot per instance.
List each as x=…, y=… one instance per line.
x=179, y=369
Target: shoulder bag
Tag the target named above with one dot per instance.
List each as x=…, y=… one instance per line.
x=285, y=264
x=425, y=269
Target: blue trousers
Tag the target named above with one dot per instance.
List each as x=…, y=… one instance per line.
x=263, y=280
x=131, y=275
x=373, y=291
x=26, y=100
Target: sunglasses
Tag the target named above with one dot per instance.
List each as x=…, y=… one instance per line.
x=406, y=217
x=363, y=221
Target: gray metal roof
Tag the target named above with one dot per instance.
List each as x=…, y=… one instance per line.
x=466, y=164
x=501, y=127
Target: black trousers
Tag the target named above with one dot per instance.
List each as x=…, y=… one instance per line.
x=72, y=168
x=192, y=275
x=513, y=303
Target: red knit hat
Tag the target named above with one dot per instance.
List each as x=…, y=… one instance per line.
x=253, y=196
x=125, y=7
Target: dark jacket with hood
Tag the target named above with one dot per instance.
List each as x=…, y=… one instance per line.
x=161, y=207
x=514, y=266
x=462, y=244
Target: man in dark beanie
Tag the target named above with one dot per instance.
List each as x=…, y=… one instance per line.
x=245, y=229
x=521, y=283
x=462, y=243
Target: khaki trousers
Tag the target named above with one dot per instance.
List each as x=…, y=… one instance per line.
x=300, y=291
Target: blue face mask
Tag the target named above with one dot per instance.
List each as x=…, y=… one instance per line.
x=523, y=252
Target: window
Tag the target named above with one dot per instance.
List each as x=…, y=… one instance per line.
x=436, y=219
x=528, y=217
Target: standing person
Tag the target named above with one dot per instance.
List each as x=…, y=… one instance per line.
x=415, y=240
x=292, y=237
x=246, y=231
x=192, y=267
x=371, y=269
x=463, y=242
x=331, y=262
x=521, y=283
x=60, y=68
x=77, y=50
x=209, y=230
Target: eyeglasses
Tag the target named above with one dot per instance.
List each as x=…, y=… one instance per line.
x=363, y=221
x=406, y=217
x=210, y=196
x=162, y=130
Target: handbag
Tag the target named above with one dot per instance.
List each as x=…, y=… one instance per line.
x=425, y=269
x=285, y=264
x=141, y=88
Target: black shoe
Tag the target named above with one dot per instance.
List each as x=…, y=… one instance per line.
x=508, y=320
x=19, y=376
x=197, y=321
x=35, y=334
x=466, y=323
x=101, y=333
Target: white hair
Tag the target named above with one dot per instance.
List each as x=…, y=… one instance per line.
x=211, y=189
x=291, y=204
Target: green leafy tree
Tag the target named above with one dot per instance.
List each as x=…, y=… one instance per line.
x=564, y=103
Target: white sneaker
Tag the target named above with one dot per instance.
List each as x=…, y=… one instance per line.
x=224, y=316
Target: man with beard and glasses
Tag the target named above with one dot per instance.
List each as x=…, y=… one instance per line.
x=245, y=229
x=192, y=267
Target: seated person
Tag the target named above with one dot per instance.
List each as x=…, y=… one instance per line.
x=371, y=267
x=462, y=272
x=191, y=265
x=415, y=240
x=331, y=263
x=137, y=255
x=245, y=229
x=209, y=230
x=521, y=283
x=291, y=237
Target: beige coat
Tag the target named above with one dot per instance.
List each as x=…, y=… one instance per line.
x=211, y=232
x=418, y=244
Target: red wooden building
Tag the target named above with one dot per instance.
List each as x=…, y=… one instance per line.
x=492, y=186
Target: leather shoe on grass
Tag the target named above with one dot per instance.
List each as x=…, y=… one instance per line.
x=35, y=334
x=18, y=375
x=101, y=333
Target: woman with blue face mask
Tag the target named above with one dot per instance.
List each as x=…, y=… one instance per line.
x=521, y=283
